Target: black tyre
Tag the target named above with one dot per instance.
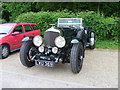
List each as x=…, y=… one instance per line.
x=4, y=51
x=92, y=35
x=27, y=51
x=76, y=57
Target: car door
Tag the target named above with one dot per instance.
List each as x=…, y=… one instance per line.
x=36, y=30
x=16, y=40
x=28, y=31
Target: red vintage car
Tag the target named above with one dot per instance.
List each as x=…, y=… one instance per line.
x=11, y=35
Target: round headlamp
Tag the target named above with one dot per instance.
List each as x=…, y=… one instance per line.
x=54, y=50
x=60, y=41
x=37, y=40
x=41, y=49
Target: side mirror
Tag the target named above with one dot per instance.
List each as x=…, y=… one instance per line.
x=15, y=33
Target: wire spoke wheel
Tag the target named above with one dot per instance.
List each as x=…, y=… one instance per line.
x=31, y=53
x=76, y=57
x=27, y=52
x=80, y=58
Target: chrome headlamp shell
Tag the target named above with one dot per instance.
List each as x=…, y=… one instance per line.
x=60, y=41
x=37, y=41
x=54, y=50
x=41, y=49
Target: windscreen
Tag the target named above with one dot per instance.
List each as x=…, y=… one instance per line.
x=69, y=22
x=5, y=29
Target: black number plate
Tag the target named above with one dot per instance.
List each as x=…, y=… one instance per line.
x=44, y=63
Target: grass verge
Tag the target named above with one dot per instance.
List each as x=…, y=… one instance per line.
x=107, y=44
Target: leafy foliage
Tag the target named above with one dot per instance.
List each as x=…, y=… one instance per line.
x=105, y=28
x=2, y=20
x=12, y=9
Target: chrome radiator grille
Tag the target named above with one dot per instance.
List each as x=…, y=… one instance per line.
x=49, y=38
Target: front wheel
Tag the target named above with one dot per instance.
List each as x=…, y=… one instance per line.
x=4, y=51
x=76, y=57
x=27, y=51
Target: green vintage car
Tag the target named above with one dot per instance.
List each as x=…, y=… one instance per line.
x=65, y=43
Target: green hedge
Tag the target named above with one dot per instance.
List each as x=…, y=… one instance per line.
x=2, y=20
x=106, y=28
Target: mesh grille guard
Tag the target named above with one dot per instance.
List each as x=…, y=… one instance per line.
x=49, y=38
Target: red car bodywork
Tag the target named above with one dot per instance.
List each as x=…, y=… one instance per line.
x=15, y=41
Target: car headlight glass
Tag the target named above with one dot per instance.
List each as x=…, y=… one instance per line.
x=54, y=50
x=37, y=40
x=41, y=49
x=60, y=41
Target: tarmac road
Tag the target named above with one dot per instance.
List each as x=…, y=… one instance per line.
x=100, y=70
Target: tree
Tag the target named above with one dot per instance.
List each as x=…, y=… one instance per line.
x=12, y=9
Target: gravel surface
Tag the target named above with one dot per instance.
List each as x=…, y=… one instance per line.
x=100, y=70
